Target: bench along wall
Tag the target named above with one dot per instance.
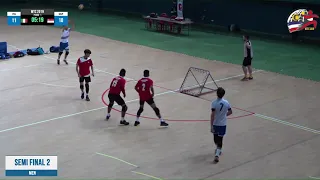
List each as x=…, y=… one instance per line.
x=265, y=16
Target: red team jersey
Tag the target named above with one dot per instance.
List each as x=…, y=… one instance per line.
x=117, y=85
x=84, y=66
x=144, y=88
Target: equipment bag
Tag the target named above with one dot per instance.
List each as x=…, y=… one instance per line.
x=38, y=51
x=18, y=54
x=54, y=49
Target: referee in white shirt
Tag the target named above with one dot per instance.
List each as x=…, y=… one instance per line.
x=248, y=55
x=220, y=109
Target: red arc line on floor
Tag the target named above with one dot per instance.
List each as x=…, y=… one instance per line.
x=174, y=120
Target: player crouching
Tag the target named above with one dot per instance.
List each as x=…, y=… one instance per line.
x=146, y=93
x=83, y=70
x=116, y=87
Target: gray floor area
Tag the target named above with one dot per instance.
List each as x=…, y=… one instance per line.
x=274, y=132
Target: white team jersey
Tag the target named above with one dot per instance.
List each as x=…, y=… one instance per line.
x=247, y=52
x=221, y=108
x=65, y=36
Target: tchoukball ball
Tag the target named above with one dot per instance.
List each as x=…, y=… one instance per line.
x=81, y=6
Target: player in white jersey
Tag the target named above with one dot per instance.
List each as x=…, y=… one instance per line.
x=248, y=55
x=64, y=44
x=220, y=109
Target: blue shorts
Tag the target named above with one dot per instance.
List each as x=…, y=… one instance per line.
x=219, y=130
x=64, y=46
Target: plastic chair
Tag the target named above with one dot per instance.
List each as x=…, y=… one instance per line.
x=162, y=23
x=171, y=24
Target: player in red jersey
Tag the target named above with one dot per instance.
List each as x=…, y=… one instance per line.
x=116, y=87
x=146, y=92
x=83, y=70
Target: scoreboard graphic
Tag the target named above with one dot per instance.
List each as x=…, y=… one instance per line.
x=45, y=17
x=31, y=166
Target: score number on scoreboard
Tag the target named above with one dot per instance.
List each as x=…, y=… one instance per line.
x=37, y=17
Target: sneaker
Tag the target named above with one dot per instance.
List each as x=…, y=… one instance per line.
x=250, y=78
x=108, y=117
x=136, y=123
x=82, y=96
x=87, y=98
x=164, y=124
x=216, y=159
x=65, y=61
x=244, y=79
x=58, y=62
x=124, y=122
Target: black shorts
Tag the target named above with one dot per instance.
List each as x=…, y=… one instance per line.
x=87, y=79
x=150, y=102
x=247, y=61
x=116, y=98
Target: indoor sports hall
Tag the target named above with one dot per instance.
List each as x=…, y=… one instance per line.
x=273, y=133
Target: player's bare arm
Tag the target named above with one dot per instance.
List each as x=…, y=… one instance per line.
x=212, y=118
x=123, y=91
x=229, y=112
x=92, y=71
x=77, y=69
x=152, y=91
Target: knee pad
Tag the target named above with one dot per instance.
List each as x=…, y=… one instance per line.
x=156, y=110
x=67, y=52
x=124, y=108
x=60, y=53
x=87, y=86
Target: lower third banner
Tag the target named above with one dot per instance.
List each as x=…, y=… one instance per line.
x=31, y=166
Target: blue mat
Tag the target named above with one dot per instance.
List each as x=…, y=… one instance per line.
x=3, y=47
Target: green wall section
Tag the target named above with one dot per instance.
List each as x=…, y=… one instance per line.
x=285, y=58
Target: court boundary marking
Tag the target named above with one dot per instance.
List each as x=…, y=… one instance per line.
x=170, y=120
x=78, y=113
x=130, y=164
x=97, y=70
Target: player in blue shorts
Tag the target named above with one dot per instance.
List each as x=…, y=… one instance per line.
x=220, y=109
x=64, y=44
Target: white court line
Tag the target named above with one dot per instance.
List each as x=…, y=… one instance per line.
x=287, y=123
x=71, y=115
x=55, y=85
x=314, y=177
x=29, y=66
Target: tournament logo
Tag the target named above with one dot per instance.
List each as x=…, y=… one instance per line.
x=302, y=19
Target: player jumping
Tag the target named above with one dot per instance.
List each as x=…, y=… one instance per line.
x=220, y=110
x=116, y=87
x=64, y=44
x=146, y=93
x=83, y=69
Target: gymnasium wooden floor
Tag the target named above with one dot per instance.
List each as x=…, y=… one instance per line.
x=274, y=132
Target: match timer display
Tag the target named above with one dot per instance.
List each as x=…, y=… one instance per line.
x=37, y=17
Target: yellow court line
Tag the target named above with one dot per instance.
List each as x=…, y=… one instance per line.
x=112, y=157
x=147, y=175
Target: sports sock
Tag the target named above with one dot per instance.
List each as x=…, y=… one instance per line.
x=218, y=152
x=108, y=114
x=122, y=118
x=161, y=120
x=137, y=119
